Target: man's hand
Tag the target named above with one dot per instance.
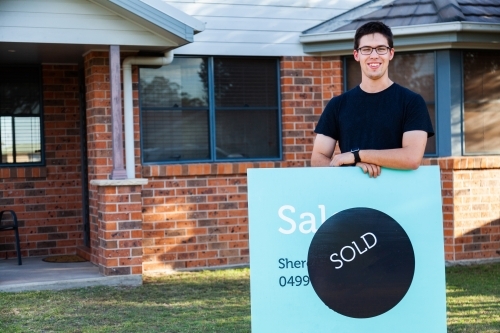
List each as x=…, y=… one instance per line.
x=342, y=159
x=348, y=158
x=371, y=169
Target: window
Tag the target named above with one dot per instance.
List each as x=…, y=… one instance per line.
x=20, y=116
x=481, y=102
x=210, y=109
x=414, y=71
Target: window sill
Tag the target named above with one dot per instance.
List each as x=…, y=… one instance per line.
x=120, y=182
x=23, y=172
x=213, y=169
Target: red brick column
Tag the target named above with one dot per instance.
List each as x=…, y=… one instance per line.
x=120, y=226
x=99, y=147
x=115, y=206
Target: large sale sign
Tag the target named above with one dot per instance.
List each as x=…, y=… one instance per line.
x=332, y=250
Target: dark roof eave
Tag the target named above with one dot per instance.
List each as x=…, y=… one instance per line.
x=416, y=37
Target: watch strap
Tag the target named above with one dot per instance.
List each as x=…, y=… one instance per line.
x=355, y=152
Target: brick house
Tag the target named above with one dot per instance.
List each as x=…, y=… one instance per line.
x=150, y=175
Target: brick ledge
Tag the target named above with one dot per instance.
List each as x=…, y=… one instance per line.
x=121, y=182
x=464, y=162
x=213, y=169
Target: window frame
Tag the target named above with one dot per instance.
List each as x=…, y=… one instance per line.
x=436, y=96
x=462, y=105
x=42, y=122
x=212, y=109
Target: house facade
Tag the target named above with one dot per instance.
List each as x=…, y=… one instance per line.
x=127, y=127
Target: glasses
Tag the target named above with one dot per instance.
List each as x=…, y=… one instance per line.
x=367, y=50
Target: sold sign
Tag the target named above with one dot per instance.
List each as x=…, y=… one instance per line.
x=361, y=263
x=335, y=251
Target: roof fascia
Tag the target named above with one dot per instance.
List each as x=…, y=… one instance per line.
x=157, y=17
x=412, y=38
x=347, y=17
x=176, y=14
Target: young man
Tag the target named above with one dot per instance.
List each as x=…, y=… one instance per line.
x=378, y=123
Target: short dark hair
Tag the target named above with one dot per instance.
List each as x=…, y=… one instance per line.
x=373, y=28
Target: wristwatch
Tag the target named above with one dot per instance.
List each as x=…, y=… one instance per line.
x=355, y=152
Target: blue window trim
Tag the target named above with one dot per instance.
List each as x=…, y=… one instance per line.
x=211, y=115
x=42, y=127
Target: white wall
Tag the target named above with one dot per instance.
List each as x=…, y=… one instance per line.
x=256, y=27
x=69, y=22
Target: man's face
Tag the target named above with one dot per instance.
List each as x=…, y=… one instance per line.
x=374, y=66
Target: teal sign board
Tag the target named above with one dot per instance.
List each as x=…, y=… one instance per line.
x=332, y=250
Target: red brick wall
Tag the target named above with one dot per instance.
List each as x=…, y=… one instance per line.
x=195, y=215
x=307, y=84
x=195, y=221
x=471, y=206
x=48, y=200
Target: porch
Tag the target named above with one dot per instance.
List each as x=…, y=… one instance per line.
x=36, y=274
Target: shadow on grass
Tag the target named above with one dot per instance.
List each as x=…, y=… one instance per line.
x=473, y=298
x=210, y=302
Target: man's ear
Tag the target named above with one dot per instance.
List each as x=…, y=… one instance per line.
x=391, y=54
x=356, y=55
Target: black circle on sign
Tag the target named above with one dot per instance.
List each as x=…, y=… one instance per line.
x=373, y=267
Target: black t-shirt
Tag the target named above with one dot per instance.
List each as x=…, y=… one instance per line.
x=357, y=119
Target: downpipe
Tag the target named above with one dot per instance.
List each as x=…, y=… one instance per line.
x=128, y=108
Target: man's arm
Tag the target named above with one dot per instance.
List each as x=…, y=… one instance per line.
x=322, y=153
x=408, y=157
x=322, y=150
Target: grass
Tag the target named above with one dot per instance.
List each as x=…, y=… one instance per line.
x=473, y=299
x=211, y=301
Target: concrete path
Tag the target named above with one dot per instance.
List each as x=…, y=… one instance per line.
x=35, y=274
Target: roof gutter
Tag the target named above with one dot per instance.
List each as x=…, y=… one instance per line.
x=128, y=109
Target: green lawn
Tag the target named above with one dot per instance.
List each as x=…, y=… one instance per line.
x=211, y=301
x=473, y=299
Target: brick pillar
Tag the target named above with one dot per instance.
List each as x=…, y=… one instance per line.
x=99, y=145
x=120, y=226
x=115, y=206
